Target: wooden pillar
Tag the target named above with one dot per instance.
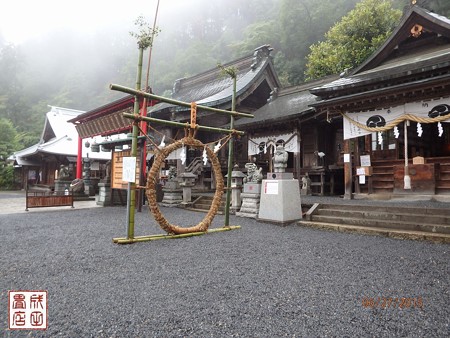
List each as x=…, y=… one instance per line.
x=297, y=162
x=79, y=158
x=347, y=170
x=357, y=153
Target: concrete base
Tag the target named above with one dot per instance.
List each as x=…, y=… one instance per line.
x=280, y=201
x=62, y=185
x=250, y=205
x=172, y=197
x=104, y=194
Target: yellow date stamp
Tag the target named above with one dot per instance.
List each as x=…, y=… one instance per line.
x=394, y=303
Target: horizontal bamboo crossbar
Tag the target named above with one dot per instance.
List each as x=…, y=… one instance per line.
x=175, y=102
x=123, y=240
x=182, y=125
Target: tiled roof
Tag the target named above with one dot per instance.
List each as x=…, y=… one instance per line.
x=385, y=64
x=211, y=88
x=288, y=103
x=59, y=137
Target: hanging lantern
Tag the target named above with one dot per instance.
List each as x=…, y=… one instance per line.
x=95, y=147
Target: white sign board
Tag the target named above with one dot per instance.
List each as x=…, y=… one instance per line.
x=347, y=158
x=271, y=188
x=365, y=160
x=362, y=179
x=129, y=169
x=360, y=171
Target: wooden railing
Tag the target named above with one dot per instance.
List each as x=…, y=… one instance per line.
x=39, y=199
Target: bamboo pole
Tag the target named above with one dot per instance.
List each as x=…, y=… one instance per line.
x=230, y=156
x=165, y=236
x=181, y=125
x=131, y=191
x=141, y=93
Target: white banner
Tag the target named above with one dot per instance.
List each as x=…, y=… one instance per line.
x=257, y=145
x=382, y=117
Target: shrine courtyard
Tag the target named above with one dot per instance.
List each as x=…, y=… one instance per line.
x=262, y=280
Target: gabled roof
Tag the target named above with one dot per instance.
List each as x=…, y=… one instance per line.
x=430, y=22
x=56, y=125
x=59, y=137
x=213, y=89
x=415, y=56
x=107, y=119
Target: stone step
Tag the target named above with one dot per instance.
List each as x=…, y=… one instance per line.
x=384, y=223
x=394, y=233
x=391, y=209
x=387, y=216
x=203, y=203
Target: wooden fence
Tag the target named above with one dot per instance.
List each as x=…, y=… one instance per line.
x=38, y=199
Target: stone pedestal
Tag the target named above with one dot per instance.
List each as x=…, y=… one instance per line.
x=236, y=199
x=250, y=200
x=188, y=181
x=280, y=199
x=237, y=178
x=62, y=185
x=173, y=195
x=104, y=194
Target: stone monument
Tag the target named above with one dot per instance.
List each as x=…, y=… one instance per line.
x=280, y=193
x=173, y=195
x=306, y=185
x=104, y=187
x=88, y=186
x=237, y=178
x=187, y=182
x=252, y=192
x=62, y=183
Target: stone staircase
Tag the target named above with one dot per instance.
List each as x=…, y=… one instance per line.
x=383, y=176
x=203, y=203
x=204, y=177
x=398, y=222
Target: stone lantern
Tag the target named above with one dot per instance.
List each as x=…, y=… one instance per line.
x=237, y=180
x=187, y=182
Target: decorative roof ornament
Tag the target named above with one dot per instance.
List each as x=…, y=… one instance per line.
x=260, y=52
x=273, y=95
x=416, y=31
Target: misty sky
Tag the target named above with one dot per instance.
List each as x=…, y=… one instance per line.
x=21, y=20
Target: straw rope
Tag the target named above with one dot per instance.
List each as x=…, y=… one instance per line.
x=151, y=188
x=399, y=119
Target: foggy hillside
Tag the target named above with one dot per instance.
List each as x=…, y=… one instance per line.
x=72, y=69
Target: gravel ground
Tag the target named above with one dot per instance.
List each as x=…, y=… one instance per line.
x=262, y=280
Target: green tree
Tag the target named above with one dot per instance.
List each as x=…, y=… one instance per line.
x=8, y=141
x=353, y=39
x=8, y=144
